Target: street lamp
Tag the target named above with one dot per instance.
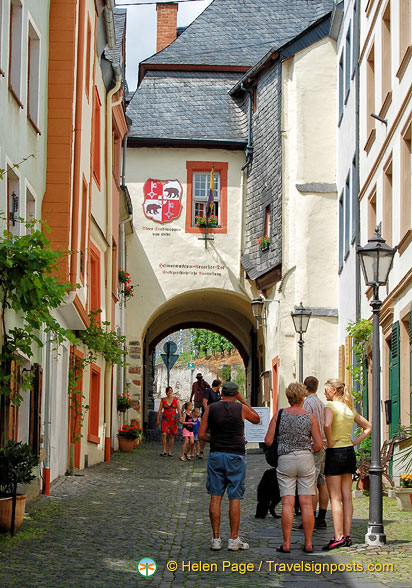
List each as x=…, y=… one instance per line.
x=376, y=259
x=300, y=318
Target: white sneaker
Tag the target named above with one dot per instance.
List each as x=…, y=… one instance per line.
x=216, y=544
x=235, y=544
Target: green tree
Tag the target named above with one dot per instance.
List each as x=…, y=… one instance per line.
x=207, y=342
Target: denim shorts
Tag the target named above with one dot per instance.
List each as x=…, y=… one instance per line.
x=340, y=460
x=226, y=470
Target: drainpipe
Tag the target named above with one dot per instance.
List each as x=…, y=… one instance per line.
x=46, y=423
x=109, y=261
x=122, y=305
x=357, y=158
x=358, y=293
x=249, y=146
x=109, y=24
x=77, y=146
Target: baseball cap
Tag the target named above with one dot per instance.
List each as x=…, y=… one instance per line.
x=230, y=389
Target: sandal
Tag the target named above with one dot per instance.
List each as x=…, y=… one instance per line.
x=163, y=454
x=170, y=455
x=307, y=549
x=188, y=457
x=281, y=550
x=182, y=458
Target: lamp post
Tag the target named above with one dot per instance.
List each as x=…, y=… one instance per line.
x=300, y=318
x=376, y=261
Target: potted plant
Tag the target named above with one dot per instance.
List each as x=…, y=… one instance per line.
x=123, y=402
x=127, y=290
x=127, y=434
x=264, y=242
x=404, y=493
x=202, y=221
x=123, y=276
x=16, y=467
x=363, y=457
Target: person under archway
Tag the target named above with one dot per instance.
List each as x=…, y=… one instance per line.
x=169, y=411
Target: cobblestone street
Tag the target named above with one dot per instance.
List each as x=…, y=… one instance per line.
x=94, y=528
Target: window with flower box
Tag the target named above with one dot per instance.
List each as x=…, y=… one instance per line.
x=198, y=186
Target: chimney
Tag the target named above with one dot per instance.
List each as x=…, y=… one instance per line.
x=166, y=24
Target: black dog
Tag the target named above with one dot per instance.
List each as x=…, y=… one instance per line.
x=267, y=495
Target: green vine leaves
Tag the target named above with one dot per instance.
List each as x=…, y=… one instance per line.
x=97, y=341
x=30, y=287
x=361, y=333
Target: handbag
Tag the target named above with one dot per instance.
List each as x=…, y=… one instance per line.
x=271, y=453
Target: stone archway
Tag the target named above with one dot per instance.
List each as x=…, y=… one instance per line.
x=224, y=312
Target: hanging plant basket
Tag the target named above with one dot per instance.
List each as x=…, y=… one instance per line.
x=123, y=276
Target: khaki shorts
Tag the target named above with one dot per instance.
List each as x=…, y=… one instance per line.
x=319, y=458
x=296, y=469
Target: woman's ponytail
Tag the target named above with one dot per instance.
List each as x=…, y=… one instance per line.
x=340, y=390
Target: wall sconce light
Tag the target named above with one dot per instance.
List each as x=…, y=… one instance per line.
x=259, y=311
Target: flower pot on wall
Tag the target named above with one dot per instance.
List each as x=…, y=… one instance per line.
x=6, y=506
x=122, y=408
x=126, y=444
x=404, y=498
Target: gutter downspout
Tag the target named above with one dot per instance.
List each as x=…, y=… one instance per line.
x=249, y=146
x=77, y=145
x=357, y=161
x=46, y=422
x=122, y=238
x=122, y=304
x=249, y=154
x=109, y=254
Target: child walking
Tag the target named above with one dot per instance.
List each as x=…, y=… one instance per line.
x=187, y=432
x=196, y=424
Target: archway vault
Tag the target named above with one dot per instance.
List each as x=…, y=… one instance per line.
x=226, y=313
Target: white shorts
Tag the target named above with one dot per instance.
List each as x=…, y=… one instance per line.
x=296, y=469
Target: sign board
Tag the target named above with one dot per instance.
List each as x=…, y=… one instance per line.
x=169, y=360
x=256, y=433
x=169, y=347
x=191, y=365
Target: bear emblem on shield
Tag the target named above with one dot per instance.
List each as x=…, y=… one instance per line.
x=162, y=200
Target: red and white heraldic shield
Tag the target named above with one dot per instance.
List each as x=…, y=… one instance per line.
x=162, y=200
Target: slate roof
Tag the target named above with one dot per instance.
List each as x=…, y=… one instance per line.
x=194, y=106
x=119, y=21
x=240, y=32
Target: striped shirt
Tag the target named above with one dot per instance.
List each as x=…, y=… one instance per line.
x=314, y=404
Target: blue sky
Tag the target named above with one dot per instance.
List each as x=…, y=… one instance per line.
x=141, y=31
